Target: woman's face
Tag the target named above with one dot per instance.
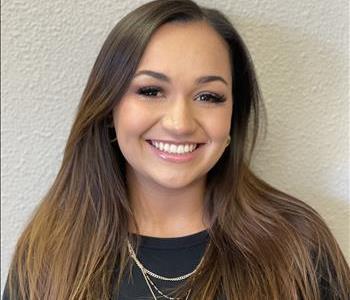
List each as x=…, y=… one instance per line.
x=180, y=97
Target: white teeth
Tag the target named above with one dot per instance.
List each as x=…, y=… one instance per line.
x=161, y=146
x=180, y=149
x=171, y=148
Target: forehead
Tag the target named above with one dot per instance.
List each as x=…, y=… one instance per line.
x=190, y=48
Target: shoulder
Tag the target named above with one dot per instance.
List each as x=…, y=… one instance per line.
x=11, y=289
x=6, y=293
x=327, y=260
x=316, y=253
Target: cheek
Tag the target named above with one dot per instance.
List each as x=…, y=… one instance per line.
x=131, y=119
x=218, y=125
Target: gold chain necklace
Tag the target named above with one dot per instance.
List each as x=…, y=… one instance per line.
x=147, y=273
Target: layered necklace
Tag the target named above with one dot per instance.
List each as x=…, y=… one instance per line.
x=147, y=274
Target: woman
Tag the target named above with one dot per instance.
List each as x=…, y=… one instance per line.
x=155, y=198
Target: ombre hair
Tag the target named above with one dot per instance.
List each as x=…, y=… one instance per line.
x=265, y=244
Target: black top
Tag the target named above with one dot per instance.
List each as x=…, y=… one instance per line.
x=168, y=257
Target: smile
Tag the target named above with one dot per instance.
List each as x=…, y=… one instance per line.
x=172, y=148
x=175, y=153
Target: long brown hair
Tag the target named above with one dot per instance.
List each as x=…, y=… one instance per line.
x=265, y=244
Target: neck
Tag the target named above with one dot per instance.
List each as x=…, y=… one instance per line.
x=163, y=212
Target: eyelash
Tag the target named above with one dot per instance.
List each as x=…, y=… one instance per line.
x=214, y=97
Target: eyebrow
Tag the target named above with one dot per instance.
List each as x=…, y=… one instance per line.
x=163, y=77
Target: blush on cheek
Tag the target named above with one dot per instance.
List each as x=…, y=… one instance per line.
x=219, y=131
x=130, y=111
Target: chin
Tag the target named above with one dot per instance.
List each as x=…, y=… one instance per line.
x=176, y=183
x=173, y=185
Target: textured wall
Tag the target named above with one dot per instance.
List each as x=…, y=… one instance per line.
x=300, y=49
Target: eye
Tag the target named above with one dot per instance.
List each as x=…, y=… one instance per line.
x=150, y=91
x=153, y=92
x=210, y=97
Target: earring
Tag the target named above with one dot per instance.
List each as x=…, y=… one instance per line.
x=113, y=140
x=228, y=141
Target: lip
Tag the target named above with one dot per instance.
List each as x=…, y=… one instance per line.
x=173, y=157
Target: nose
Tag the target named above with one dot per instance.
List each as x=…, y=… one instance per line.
x=179, y=119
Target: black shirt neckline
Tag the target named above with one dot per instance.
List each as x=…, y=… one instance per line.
x=174, y=242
